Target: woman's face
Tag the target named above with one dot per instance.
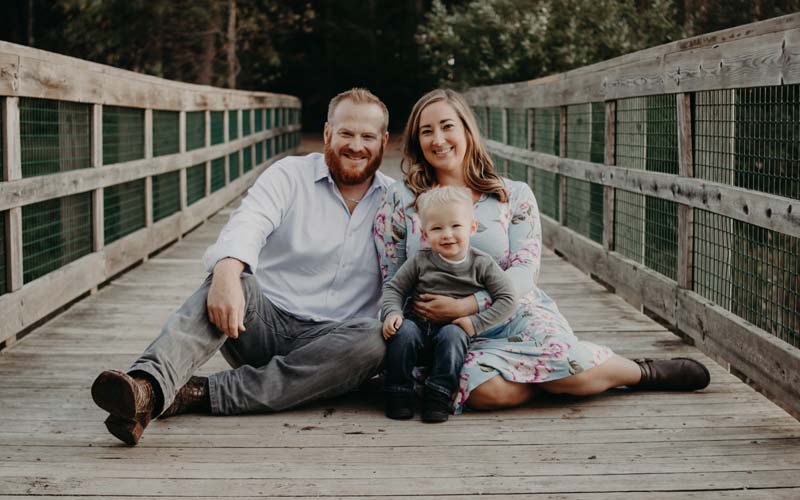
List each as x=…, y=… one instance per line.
x=442, y=137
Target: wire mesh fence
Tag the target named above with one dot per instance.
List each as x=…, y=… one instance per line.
x=749, y=138
x=123, y=134
x=517, y=126
x=195, y=130
x=233, y=124
x=196, y=183
x=547, y=139
x=268, y=118
x=259, y=153
x=217, y=123
x=166, y=195
x=166, y=132
x=217, y=174
x=247, y=159
x=750, y=271
x=268, y=148
x=646, y=228
x=55, y=136
x=585, y=141
x=246, y=129
x=258, y=119
x=54, y=233
x=233, y=166
x=124, y=209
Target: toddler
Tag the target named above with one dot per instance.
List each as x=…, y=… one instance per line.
x=449, y=267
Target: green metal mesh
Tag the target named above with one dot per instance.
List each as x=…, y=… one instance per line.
x=285, y=117
x=195, y=130
x=284, y=142
x=123, y=134
x=749, y=138
x=196, y=183
x=247, y=160
x=166, y=132
x=259, y=153
x=55, y=136
x=546, y=139
x=585, y=141
x=246, y=130
x=268, y=148
x=750, y=271
x=480, y=117
x=217, y=127
x=517, y=136
x=54, y=233
x=217, y=174
x=124, y=209
x=233, y=124
x=166, y=195
x=2, y=175
x=233, y=166
x=268, y=117
x=259, y=119
x=3, y=270
x=496, y=124
x=646, y=229
x=279, y=117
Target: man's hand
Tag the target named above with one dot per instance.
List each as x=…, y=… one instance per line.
x=465, y=324
x=391, y=324
x=443, y=309
x=225, y=301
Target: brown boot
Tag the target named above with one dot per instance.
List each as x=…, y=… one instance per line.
x=677, y=374
x=191, y=398
x=130, y=401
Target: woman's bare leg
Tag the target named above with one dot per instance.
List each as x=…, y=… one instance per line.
x=615, y=372
x=498, y=392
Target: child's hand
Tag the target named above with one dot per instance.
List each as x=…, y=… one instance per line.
x=465, y=324
x=391, y=324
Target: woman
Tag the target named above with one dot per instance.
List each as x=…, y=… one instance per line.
x=536, y=349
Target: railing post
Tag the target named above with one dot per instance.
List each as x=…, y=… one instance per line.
x=98, y=203
x=12, y=170
x=685, y=213
x=610, y=160
x=562, y=179
x=148, y=154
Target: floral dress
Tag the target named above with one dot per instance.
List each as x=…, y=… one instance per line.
x=536, y=344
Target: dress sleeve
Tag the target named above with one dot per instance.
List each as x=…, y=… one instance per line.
x=525, y=240
x=389, y=232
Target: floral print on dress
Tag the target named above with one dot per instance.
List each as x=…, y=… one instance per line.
x=536, y=344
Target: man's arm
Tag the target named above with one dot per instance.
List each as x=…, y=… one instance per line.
x=225, y=301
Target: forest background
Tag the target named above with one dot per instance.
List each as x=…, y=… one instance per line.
x=397, y=48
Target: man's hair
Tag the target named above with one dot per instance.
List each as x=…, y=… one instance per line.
x=440, y=196
x=359, y=96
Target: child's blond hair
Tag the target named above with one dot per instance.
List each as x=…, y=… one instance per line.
x=440, y=196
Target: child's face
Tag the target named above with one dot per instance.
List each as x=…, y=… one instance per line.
x=448, y=228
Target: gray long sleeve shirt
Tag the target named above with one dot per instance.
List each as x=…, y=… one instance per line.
x=427, y=272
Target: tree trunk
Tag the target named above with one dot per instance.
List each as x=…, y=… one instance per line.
x=231, y=45
x=206, y=71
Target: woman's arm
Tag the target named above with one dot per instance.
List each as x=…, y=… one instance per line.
x=389, y=232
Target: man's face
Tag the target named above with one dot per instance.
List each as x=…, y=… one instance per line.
x=354, y=142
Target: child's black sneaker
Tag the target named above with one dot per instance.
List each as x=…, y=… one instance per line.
x=400, y=405
x=435, y=406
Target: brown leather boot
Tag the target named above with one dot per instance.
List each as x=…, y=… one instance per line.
x=130, y=401
x=677, y=374
x=191, y=398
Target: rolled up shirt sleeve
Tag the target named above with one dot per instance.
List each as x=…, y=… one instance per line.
x=260, y=213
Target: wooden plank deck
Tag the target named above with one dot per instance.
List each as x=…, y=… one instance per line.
x=724, y=442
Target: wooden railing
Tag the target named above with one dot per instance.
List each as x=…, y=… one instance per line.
x=673, y=176
x=71, y=183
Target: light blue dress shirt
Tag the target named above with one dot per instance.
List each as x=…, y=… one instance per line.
x=312, y=257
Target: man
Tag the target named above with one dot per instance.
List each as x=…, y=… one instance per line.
x=292, y=300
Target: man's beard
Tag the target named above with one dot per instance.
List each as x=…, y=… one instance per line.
x=350, y=177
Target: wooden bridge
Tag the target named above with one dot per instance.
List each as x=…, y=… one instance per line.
x=639, y=169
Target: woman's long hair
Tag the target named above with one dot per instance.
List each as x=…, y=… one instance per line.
x=479, y=171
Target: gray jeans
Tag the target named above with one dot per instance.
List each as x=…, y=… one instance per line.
x=279, y=361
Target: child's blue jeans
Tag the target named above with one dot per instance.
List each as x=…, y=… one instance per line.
x=442, y=347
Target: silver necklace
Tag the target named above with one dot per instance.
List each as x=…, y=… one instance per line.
x=351, y=200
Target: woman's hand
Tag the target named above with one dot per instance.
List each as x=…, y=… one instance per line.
x=443, y=309
x=465, y=324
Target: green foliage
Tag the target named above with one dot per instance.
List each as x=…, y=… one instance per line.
x=492, y=41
